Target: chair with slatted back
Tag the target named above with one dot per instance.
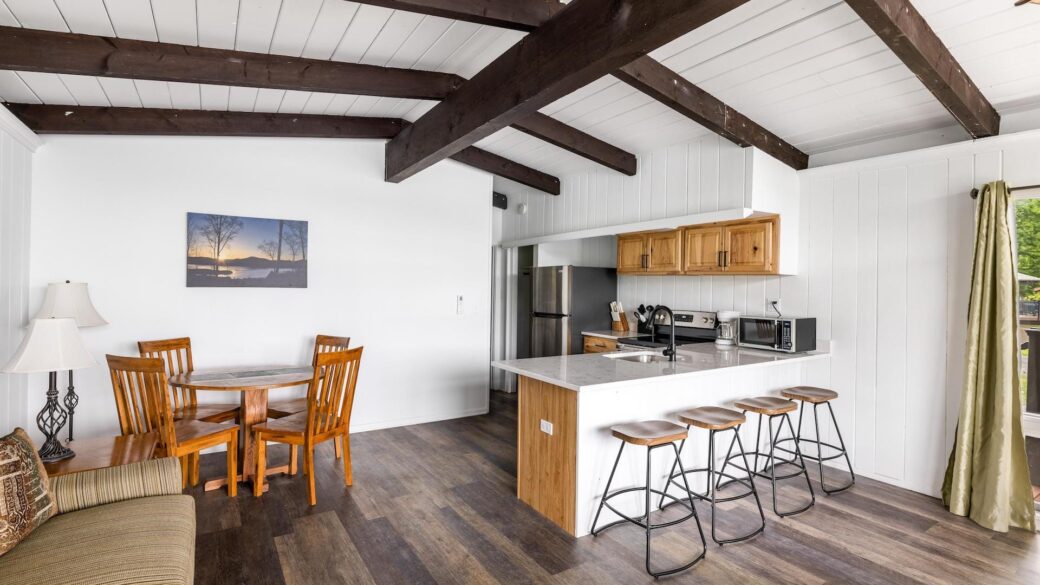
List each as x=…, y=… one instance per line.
x=144, y=406
x=284, y=408
x=330, y=397
x=176, y=353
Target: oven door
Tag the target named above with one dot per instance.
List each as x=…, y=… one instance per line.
x=763, y=333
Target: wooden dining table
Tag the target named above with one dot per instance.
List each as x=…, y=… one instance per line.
x=253, y=383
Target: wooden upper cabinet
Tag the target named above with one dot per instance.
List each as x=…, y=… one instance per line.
x=664, y=252
x=702, y=250
x=747, y=246
x=631, y=253
x=751, y=247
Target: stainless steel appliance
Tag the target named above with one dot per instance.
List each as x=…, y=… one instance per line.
x=788, y=334
x=566, y=300
x=690, y=327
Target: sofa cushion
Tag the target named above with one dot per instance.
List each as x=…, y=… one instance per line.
x=25, y=500
x=145, y=540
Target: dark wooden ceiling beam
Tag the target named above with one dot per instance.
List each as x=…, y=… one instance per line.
x=45, y=119
x=503, y=167
x=523, y=15
x=54, y=52
x=571, y=139
x=674, y=91
x=587, y=40
x=910, y=37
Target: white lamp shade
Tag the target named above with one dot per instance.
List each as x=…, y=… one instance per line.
x=49, y=346
x=70, y=300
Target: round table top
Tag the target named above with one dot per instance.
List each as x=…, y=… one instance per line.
x=246, y=378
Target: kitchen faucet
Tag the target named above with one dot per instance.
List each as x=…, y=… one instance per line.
x=669, y=351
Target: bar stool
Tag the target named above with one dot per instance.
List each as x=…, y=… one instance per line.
x=817, y=396
x=776, y=407
x=717, y=419
x=653, y=435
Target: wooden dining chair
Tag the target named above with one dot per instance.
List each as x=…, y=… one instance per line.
x=330, y=397
x=284, y=408
x=144, y=406
x=176, y=354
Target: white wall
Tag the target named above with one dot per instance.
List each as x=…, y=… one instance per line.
x=598, y=252
x=386, y=262
x=705, y=175
x=889, y=266
x=16, y=145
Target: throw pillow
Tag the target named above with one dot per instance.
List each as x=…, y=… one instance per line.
x=25, y=498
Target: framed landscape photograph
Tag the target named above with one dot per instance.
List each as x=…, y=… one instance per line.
x=231, y=250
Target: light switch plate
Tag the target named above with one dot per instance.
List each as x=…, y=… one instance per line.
x=458, y=305
x=546, y=426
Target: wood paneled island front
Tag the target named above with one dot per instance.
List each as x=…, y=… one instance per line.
x=567, y=405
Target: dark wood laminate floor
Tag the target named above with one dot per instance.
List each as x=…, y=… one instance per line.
x=435, y=503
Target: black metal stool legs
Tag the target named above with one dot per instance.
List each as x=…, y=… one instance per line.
x=645, y=522
x=714, y=483
x=772, y=461
x=840, y=450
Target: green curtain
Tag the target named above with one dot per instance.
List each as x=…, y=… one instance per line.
x=987, y=478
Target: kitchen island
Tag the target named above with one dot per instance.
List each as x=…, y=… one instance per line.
x=567, y=405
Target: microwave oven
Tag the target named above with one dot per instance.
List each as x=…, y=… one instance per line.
x=788, y=334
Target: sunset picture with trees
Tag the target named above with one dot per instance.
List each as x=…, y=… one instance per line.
x=230, y=250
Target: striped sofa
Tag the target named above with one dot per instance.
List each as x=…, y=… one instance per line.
x=116, y=526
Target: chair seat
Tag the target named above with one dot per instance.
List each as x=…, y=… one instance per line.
x=768, y=405
x=207, y=412
x=292, y=424
x=283, y=408
x=191, y=434
x=713, y=418
x=649, y=432
x=810, y=394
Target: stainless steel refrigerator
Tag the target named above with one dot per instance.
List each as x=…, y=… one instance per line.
x=564, y=301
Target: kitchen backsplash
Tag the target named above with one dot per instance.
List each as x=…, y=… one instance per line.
x=746, y=294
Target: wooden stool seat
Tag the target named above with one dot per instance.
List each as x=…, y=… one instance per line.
x=768, y=405
x=809, y=394
x=649, y=432
x=713, y=418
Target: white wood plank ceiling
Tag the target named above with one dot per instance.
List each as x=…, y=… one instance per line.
x=809, y=70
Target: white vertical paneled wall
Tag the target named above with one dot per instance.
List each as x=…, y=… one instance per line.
x=15, y=179
x=707, y=174
x=885, y=260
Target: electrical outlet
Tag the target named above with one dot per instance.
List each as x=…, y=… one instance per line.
x=546, y=426
x=458, y=305
x=773, y=307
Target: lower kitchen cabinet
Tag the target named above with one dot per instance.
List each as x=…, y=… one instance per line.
x=599, y=344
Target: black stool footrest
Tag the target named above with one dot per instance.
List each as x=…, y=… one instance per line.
x=640, y=523
x=706, y=497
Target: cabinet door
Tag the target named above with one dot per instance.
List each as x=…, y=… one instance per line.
x=750, y=247
x=631, y=252
x=702, y=249
x=664, y=252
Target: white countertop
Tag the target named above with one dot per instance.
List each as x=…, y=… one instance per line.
x=599, y=371
x=610, y=334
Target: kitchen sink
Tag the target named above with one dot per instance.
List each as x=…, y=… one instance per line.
x=644, y=357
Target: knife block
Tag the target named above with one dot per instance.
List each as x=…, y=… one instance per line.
x=621, y=324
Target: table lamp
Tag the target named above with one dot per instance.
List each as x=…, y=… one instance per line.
x=70, y=300
x=51, y=345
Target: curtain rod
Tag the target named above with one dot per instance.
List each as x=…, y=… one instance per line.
x=975, y=192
